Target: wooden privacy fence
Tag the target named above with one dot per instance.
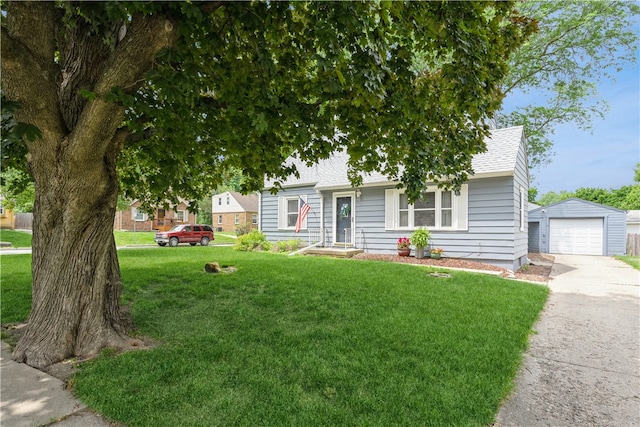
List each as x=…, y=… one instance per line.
x=633, y=244
x=24, y=221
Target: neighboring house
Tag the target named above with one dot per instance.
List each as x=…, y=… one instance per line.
x=133, y=219
x=7, y=217
x=485, y=221
x=578, y=227
x=633, y=222
x=230, y=209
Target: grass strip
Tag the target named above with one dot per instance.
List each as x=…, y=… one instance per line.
x=18, y=239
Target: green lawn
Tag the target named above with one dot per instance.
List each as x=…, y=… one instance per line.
x=128, y=238
x=304, y=341
x=18, y=239
x=633, y=261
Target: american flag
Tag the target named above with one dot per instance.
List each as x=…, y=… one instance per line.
x=303, y=210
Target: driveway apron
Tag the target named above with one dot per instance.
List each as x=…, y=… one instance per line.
x=583, y=362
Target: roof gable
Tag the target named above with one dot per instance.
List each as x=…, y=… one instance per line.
x=575, y=200
x=248, y=203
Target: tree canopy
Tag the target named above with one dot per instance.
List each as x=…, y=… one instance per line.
x=166, y=97
x=579, y=44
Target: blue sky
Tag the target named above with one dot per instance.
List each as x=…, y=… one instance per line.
x=604, y=157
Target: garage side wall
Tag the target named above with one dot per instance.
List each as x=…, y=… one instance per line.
x=613, y=223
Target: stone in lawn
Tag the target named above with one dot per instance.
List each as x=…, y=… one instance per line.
x=212, y=267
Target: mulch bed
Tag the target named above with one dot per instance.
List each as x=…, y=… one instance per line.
x=533, y=272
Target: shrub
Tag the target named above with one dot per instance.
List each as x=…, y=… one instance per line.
x=244, y=228
x=287, y=245
x=253, y=241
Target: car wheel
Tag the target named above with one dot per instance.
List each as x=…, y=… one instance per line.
x=204, y=241
x=173, y=242
x=192, y=244
x=162, y=244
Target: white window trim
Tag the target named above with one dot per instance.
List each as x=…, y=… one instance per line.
x=236, y=218
x=282, y=212
x=134, y=215
x=185, y=215
x=254, y=219
x=522, y=209
x=219, y=219
x=460, y=210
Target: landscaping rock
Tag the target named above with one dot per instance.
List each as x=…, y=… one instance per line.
x=212, y=267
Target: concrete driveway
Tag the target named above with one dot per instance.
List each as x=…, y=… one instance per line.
x=583, y=363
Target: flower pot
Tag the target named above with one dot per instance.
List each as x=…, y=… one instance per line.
x=419, y=252
x=435, y=255
x=404, y=252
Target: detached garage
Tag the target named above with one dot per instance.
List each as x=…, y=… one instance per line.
x=578, y=227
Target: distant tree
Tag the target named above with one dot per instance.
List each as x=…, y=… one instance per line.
x=553, y=197
x=17, y=188
x=626, y=197
x=632, y=199
x=164, y=98
x=579, y=44
x=595, y=195
x=533, y=194
x=232, y=181
x=204, y=210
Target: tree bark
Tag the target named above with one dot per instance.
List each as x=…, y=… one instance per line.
x=76, y=277
x=76, y=307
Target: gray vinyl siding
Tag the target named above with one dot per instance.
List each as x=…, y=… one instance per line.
x=493, y=222
x=493, y=235
x=490, y=236
x=494, y=214
x=614, y=222
x=269, y=213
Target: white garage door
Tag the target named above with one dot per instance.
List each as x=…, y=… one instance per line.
x=576, y=236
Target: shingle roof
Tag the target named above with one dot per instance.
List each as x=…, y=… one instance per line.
x=249, y=202
x=500, y=158
x=502, y=151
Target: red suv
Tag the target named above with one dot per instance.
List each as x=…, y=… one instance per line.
x=185, y=233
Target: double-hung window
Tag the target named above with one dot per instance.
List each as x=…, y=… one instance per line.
x=288, y=212
x=437, y=209
x=137, y=215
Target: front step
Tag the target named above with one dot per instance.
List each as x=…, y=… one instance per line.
x=334, y=252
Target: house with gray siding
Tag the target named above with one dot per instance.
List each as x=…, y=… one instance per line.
x=485, y=221
x=578, y=227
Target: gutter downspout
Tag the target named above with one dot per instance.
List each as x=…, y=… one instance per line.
x=322, y=234
x=260, y=211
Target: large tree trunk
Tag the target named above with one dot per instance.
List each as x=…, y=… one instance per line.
x=76, y=277
x=45, y=63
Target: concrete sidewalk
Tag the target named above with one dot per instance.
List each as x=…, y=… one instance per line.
x=583, y=364
x=29, y=398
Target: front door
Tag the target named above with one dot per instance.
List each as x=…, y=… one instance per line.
x=344, y=219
